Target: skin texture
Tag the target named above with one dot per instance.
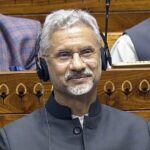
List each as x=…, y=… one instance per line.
x=74, y=64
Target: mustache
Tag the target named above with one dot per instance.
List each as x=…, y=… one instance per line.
x=78, y=74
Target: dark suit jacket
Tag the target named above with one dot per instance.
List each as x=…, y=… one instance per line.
x=52, y=128
x=140, y=37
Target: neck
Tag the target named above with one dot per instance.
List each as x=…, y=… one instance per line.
x=78, y=104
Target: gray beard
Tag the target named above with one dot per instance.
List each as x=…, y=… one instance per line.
x=80, y=89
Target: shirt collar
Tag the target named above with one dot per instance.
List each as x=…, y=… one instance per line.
x=63, y=112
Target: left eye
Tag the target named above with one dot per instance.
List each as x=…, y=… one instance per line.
x=86, y=52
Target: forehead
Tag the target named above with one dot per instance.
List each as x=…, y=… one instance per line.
x=80, y=35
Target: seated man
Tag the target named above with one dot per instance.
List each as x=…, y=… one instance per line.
x=17, y=43
x=133, y=45
x=73, y=117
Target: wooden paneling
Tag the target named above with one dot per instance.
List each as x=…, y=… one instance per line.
x=119, y=79
x=123, y=13
x=118, y=22
x=112, y=37
x=91, y=5
x=7, y=118
x=14, y=103
x=112, y=90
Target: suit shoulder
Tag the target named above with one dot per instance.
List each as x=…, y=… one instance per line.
x=19, y=134
x=29, y=121
x=123, y=117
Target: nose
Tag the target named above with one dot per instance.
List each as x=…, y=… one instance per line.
x=77, y=63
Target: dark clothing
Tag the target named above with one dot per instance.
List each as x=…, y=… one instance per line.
x=52, y=128
x=140, y=37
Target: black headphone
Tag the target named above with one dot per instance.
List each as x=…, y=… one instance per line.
x=105, y=53
x=41, y=65
x=42, y=68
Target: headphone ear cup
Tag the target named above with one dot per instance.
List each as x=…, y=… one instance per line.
x=42, y=69
x=103, y=58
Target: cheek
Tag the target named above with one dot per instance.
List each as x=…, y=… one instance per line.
x=97, y=69
x=56, y=72
x=95, y=66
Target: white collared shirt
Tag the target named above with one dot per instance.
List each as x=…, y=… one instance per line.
x=81, y=119
x=123, y=50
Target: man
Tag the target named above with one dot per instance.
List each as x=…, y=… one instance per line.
x=73, y=118
x=133, y=45
x=17, y=43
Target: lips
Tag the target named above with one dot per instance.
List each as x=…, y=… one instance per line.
x=78, y=76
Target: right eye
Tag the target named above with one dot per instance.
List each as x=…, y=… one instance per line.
x=64, y=55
